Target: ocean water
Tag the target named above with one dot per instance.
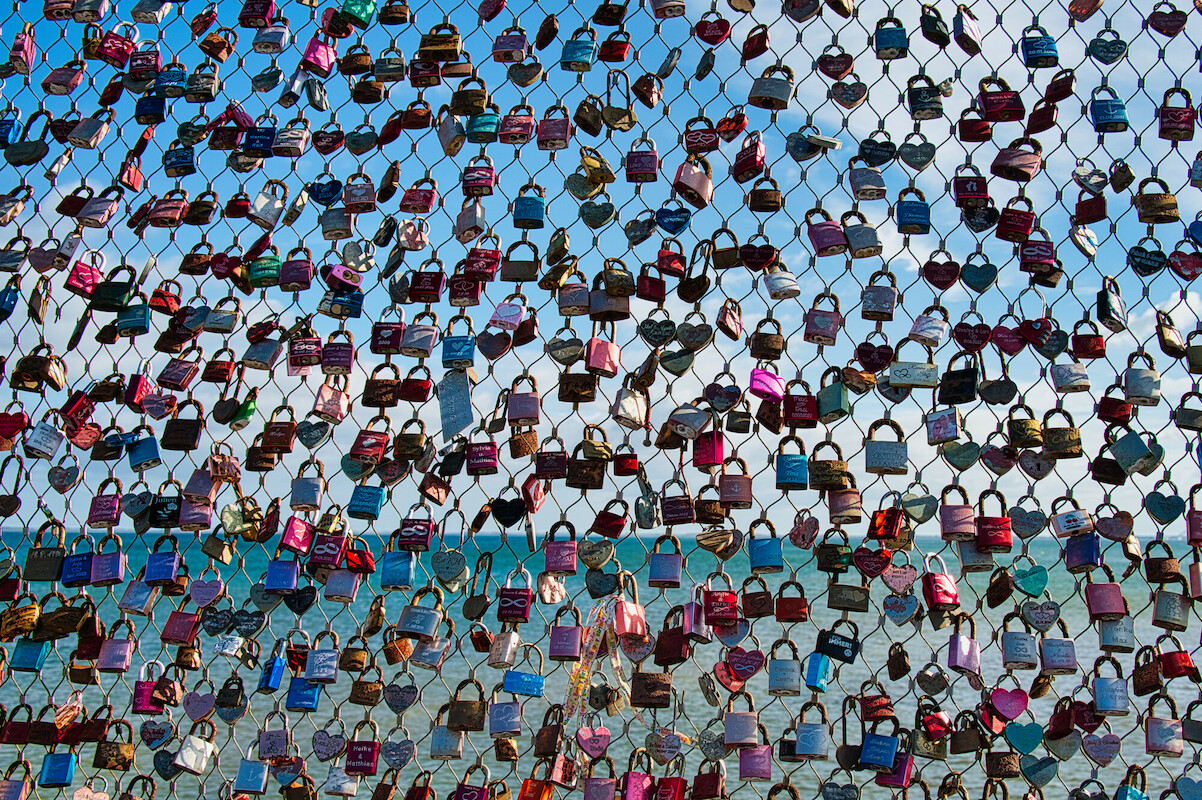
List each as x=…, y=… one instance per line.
x=923, y=643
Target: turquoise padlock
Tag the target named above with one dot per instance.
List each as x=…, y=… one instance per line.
x=913, y=216
x=134, y=319
x=832, y=399
x=580, y=51
x=359, y=11
x=264, y=271
x=143, y=450
x=792, y=469
x=398, y=570
x=1108, y=114
x=366, y=502
x=890, y=39
x=764, y=552
x=818, y=671
x=58, y=769
x=29, y=656
x=484, y=128
x=9, y=296
x=1038, y=49
x=459, y=351
x=530, y=207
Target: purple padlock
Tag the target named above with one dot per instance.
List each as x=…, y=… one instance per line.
x=559, y=557
x=338, y=357
x=105, y=509
x=566, y=639
x=964, y=651
x=826, y=236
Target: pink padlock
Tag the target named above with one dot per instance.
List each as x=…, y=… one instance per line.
x=481, y=455
x=826, y=236
x=479, y=177
x=559, y=557
x=513, y=603
x=755, y=762
x=320, y=57
x=362, y=754
x=554, y=132
x=298, y=535
x=766, y=382
x=957, y=521
x=602, y=357
x=751, y=158
x=629, y=617
x=709, y=450
x=105, y=509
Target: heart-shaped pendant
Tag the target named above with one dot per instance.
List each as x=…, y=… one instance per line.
x=328, y=746
x=1163, y=508
x=207, y=592
x=164, y=765
x=662, y=746
x=900, y=610
x=1031, y=582
x=1041, y=616
x=900, y=579
x=673, y=220
x=1024, y=737
x=1103, y=749
x=978, y=276
x=594, y=740
x=960, y=455
x=301, y=600
x=1039, y=771
x=1064, y=747
x=1011, y=703
x=849, y=94
x=398, y=754
x=155, y=734
x=877, y=152
x=400, y=697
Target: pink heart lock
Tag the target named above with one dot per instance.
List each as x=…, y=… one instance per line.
x=1010, y=703
x=594, y=741
x=1008, y=340
x=804, y=532
x=745, y=663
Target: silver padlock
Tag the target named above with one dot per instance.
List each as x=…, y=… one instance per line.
x=272, y=38
x=308, y=492
x=1141, y=385
x=784, y=674
x=1058, y=656
x=863, y=241
x=44, y=440
x=503, y=651
x=1018, y=647
x=321, y=664
x=1110, y=694
x=867, y=182
x=878, y=301
x=470, y=223
x=265, y=211
x=1170, y=610
x=445, y=744
x=337, y=223
x=1117, y=635
x=930, y=326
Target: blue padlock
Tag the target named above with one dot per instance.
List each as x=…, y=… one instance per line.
x=179, y=160
x=171, y=80
x=150, y=110
x=913, y=216
x=817, y=671
x=58, y=769
x=792, y=469
x=134, y=319
x=580, y=51
x=366, y=502
x=273, y=670
x=1038, y=49
x=764, y=552
x=890, y=39
x=877, y=750
x=345, y=305
x=29, y=656
x=9, y=296
x=143, y=450
x=530, y=210
x=77, y=564
x=527, y=684
x=398, y=570
x=1083, y=553
x=303, y=695
x=484, y=128
x=1108, y=114
x=282, y=576
x=459, y=351
x=162, y=567
x=9, y=130
x=259, y=138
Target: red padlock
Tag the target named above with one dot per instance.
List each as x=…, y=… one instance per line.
x=1014, y=224
x=1088, y=344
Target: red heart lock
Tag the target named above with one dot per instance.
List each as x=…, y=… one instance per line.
x=85, y=435
x=712, y=31
x=493, y=345
x=490, y=8
x=745, y=663
x=326, y=142
x=1036, y=331
x=730, y=127
x=1187, y=265
x=836, y=67
x=804, y=532
x=726, y=676
x=1008, y=340
x=13, y=423
x=758, y=257
x=873, y=357
x=871, y=563
x=972, y=338
x=1167, y=23
x=1085, y=716
x=941, y=274
x=159, y=405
